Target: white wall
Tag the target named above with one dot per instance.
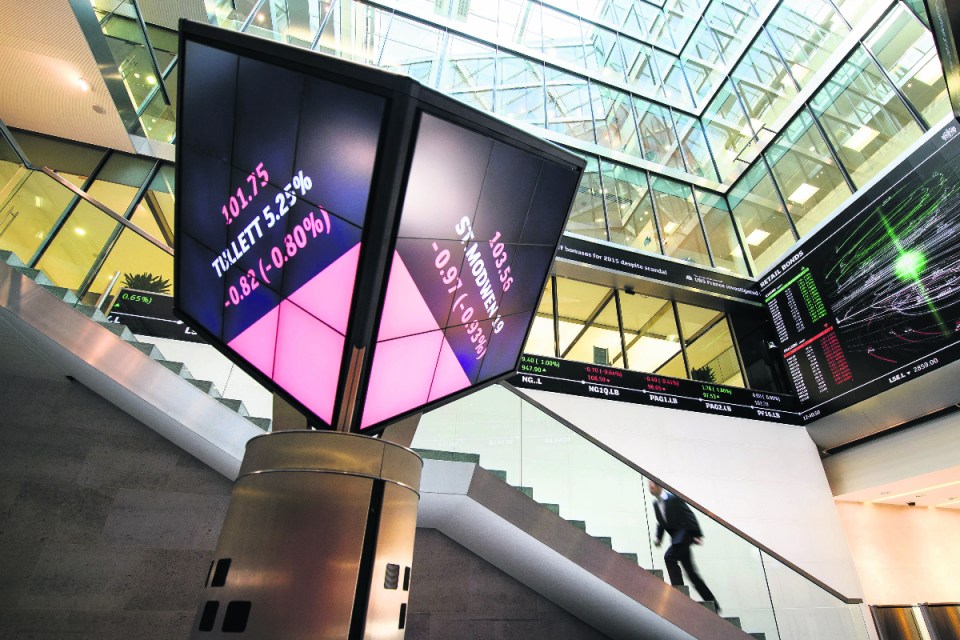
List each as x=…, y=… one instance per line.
x=766, y=479
x=904, y=555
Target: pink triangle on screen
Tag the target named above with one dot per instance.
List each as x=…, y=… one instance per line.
x=308, y=359
x=404, y=310
x=450, y=376
x=258, y=342
x=327, y=295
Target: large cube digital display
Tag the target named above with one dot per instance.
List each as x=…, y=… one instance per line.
x=361, y=244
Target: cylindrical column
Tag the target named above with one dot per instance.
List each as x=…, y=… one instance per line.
x=317, y=542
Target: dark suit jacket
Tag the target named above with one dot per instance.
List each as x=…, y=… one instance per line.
x=680, y=522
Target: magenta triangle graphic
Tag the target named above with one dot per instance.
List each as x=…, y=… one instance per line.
x=257, y=344
x=450, y=377
x=405, y=312
x=405, y=367
x=328, y=294
x=308, y=359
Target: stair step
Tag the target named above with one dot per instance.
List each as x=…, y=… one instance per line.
x=235, y=405
x=177, y=367
x=34, y=274
x=657, y=572
x=710, y=604
x=500, y=474
x=12, y=259
x=632, y=557
x=117, y=328
x=147, y=348
x=551, y=507
x=261, y=423
x=607, y=540
x=682, y=588
x=206, y=386
x=447, y=456
x=734, y=621
x=579, y=524
x=759, y=635
x=527, y=491
x=91, y=312
x=63, y=293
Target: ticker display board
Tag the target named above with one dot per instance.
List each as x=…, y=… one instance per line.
x=872, y=299
x=597, y=381
x=363, y=245
x=148, y=313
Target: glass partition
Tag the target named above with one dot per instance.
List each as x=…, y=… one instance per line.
x=629, y=208
x=724, y=244
x=865, y=119
x=569, y=107
x=806, y=173
x=542, y=340
x=728, y=131
x=679, y=222
x=613, y=498
x=906, y=50
x=587, y=320
x=649, y=331
x=29, y=212
x=587, y=216
x=760, y=218
x=630, y=330
x=468, y=74
x=12, y=169
x=806, y=33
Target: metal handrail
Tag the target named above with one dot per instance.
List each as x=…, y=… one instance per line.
x=713, y=516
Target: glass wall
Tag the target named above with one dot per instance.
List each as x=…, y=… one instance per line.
x=865, y=119
x=605, y=326
x=760, y=218
x=659, y=99
x=75, y=243
x=806, y=173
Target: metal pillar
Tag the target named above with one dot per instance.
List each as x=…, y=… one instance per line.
x=317, y=541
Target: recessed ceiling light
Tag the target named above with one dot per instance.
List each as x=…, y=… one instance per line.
x=670, y=227
x=83, y=84
x=80, y=231
x=803, y=193
x=757, y=236
x=151, y=80
x=861, y=138
x=261, y=18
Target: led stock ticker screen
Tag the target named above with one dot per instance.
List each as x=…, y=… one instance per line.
x=287, y=245
x=872, y=300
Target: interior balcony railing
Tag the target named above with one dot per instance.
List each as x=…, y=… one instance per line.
x=767, y=593
x=79, y=242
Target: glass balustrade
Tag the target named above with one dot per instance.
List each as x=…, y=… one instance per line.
x=562, y=467
x=76, y=244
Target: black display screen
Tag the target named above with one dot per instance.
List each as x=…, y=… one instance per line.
x=359, y=243
x=637, y=387
x=872, y=299
x=473, y=249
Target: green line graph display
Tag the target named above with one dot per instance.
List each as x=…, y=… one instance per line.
x=872, y=299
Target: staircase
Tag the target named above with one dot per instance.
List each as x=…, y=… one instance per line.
x=474, y=507
x=557, y=557
x=106, y=357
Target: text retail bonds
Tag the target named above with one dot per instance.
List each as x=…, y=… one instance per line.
x=477, y=267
